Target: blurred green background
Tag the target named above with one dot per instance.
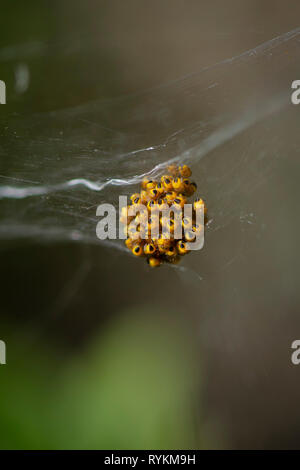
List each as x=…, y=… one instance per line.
x=131, y=388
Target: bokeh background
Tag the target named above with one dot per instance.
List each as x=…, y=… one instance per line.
x=103, y=352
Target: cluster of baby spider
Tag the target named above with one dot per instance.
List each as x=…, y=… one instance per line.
x=173, y=190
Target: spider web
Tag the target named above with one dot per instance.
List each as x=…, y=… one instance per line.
x=230, y=121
